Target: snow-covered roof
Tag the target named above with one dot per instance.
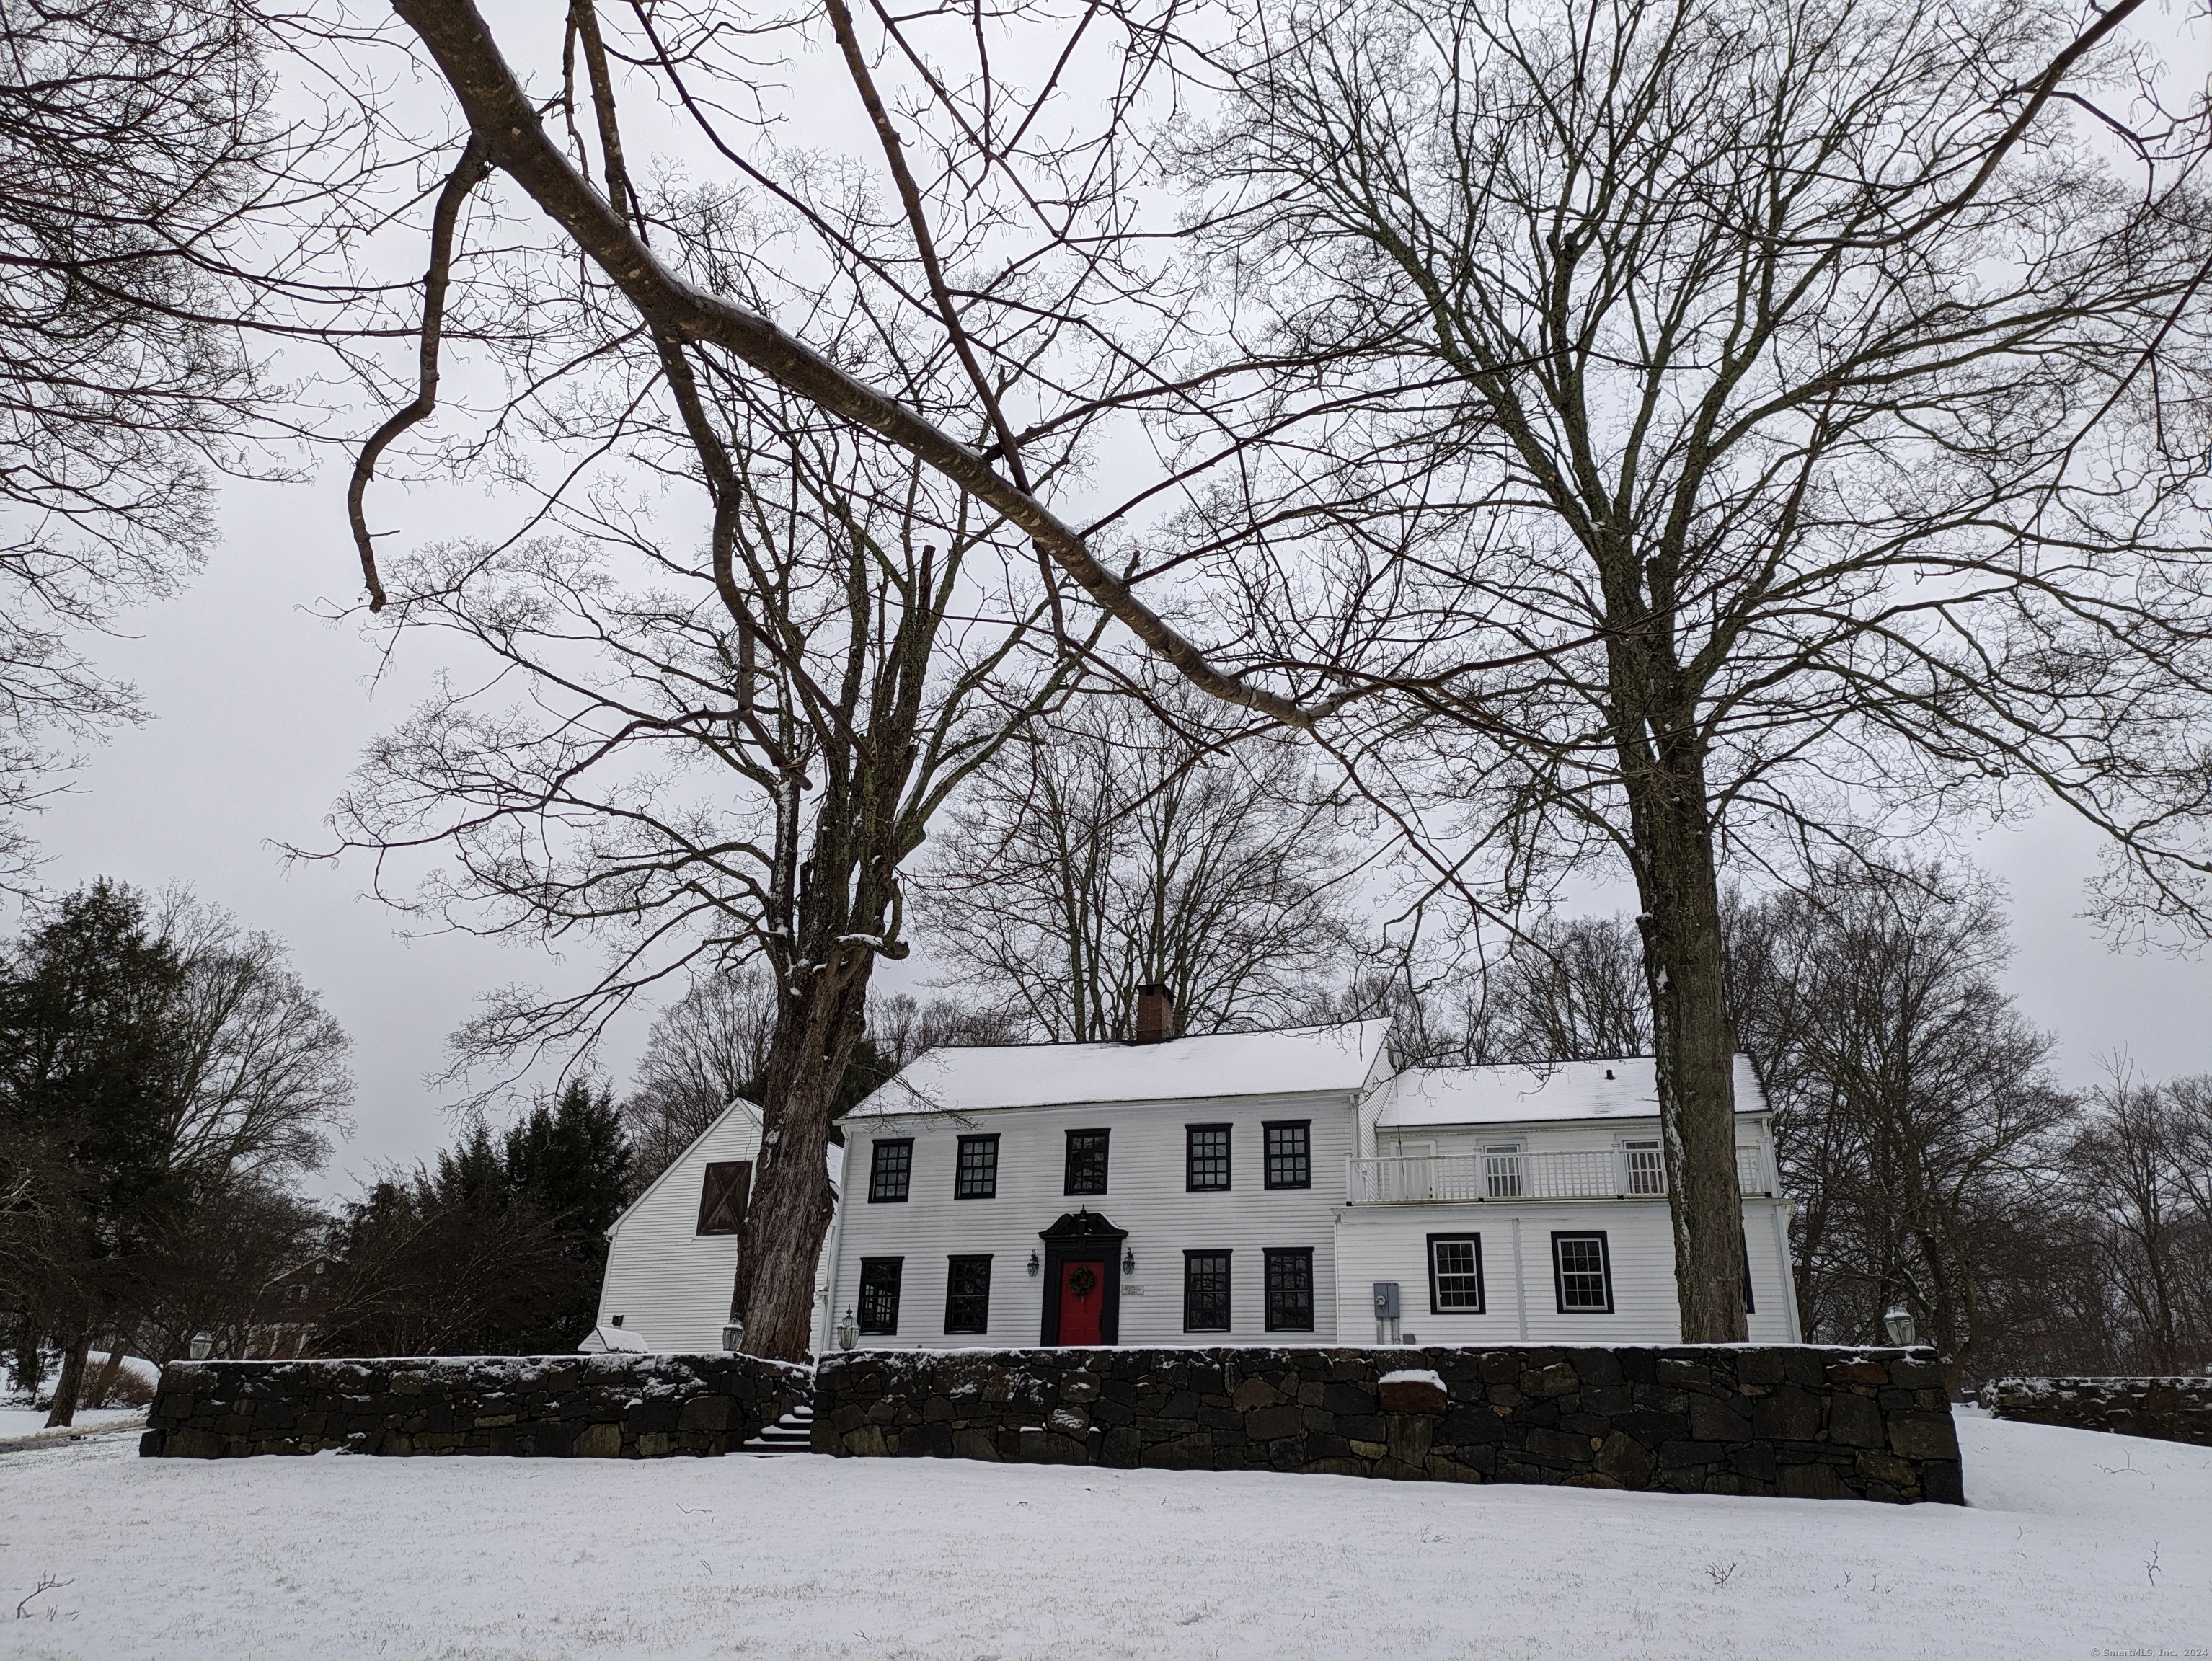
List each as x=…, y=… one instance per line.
x=1302, y=1061
x=1552, y=1090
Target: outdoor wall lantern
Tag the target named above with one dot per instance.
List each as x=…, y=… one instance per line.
x=203, y=1345
x=733, y=1334
x=1034, y=1265
x=1897, y=1323
x=848, y=1331
x=1128, y=1261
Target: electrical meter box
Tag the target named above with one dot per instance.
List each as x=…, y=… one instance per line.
x=1386, y=1300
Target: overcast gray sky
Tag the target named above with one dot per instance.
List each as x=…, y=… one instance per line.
x=262, y=708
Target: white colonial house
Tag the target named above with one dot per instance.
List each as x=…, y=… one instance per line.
x=672, y=1255
x=1287, y=1187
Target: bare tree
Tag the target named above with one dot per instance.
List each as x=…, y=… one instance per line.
x=705, y=1050
x=1811, y=393
x=139, y=162
x=1916, y=1114
x=2134, y=1173
x=1107, y=850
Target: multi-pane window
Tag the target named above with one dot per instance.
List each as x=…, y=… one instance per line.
x=968, y=1295
x=1454, y=1274
x=1290, y=1153
x=1647, y=1166
x=891, y=1170
x=1501, y=1170
x=1086, y=1162
x=1206, y=1156
x=977, y=1174
x=879, y=1294
x=722, y=1197
x=1290, y=1291
x=1206, y=1291
x=1582, y=1274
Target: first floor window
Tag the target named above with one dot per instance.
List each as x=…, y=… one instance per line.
x=1749, y=1307
x=1290, y=1291
x=1206, y=1291
x=968, y=1295
x=1205, y=1157
x=1290, y=1153
x=1456, y=1274
x=1582, y=1274
x=1086, y=1161
x=722, y=1197
x=978, y=1170
x=879, y=1294
x=891, y=1170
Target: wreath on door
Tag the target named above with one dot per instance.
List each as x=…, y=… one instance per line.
x=1084, y=1281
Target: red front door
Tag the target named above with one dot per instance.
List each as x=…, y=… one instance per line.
x=1082, y=1297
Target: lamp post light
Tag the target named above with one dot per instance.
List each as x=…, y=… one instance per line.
x=848, y=1331
x=1897, y=1323
x=203, y=1345
x=733, y=1334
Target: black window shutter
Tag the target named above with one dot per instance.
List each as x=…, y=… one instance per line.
x=723, y=1197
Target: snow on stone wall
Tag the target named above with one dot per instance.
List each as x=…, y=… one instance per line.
x=2171, y=1410
x=612, y=1406
x=1796, y=1420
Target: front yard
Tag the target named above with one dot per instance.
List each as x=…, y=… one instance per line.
x=2074, y=1543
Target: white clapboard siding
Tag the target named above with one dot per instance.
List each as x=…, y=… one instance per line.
x=1519, y=1301
x=1146, y=1196
x=670, y=1284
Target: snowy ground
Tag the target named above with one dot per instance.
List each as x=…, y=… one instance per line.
x=16, y=1419
x=2078, y=1544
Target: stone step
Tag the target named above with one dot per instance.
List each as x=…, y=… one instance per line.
x=792, y=1434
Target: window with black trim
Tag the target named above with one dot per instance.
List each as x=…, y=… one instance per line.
x=977, y=1175
x=722, y=1196
x=879, y=1294
x=1289, y=1290
x=968, y=1295
x=1581, y=1274
x=1290, y=1152
x=1749, y=1308
x=1206, y=1291
x=1454, y=1274
x=891, y=1170
x=1086, y=1162
x=1205, y=1157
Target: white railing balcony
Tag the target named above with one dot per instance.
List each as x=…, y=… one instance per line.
x=1596, y=1173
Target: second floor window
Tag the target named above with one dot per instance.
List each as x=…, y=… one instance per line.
x=1086, y=1162
x=968, y=1295
x=879, y=1294
x=1290, y=1153
x=1206, y=1156
x=1646, y=1166
x=1290, y=1291
x=722, y=1197
x=978, y=1177
x=891, y=1171
x=1206, y=1291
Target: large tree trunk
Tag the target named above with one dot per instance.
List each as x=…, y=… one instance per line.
x=1693, y=1038
x=820, y=1024
x=66, y=1387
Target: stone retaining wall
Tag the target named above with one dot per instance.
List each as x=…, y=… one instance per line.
x=2175, y=1410
x=1795, y=1421
x=608, y=1406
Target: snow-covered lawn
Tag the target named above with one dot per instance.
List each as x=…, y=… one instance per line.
x=2076, y=1543
x=16, y=1419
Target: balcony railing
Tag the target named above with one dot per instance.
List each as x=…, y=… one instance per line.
x=1596, y=1173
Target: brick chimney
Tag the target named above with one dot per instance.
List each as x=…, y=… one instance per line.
x=1155, y=1013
